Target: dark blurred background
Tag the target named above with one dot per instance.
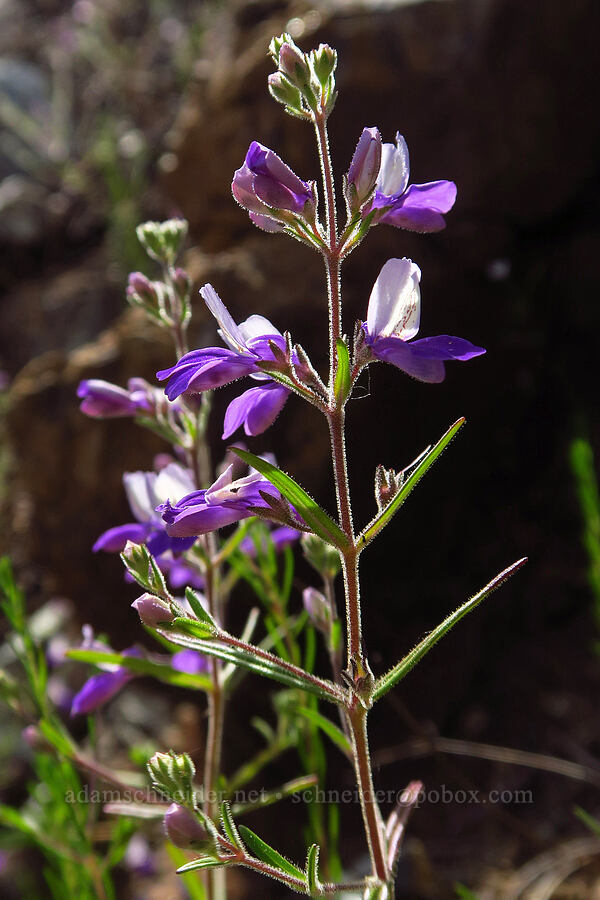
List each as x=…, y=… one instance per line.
x=115, y=112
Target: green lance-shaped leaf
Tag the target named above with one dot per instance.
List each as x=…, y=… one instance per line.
x=380, y=521
x=341, y=385
x=229, y=826
x=387, y=681
x=267, y=854
x=315, y=517
x=326, y=725
x=312, y=870
x=204, y=862
x=188, y=633
x=201, y=614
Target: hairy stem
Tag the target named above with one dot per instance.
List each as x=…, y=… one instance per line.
x=358, y=671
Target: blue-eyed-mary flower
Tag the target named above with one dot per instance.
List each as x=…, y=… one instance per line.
x=393, y=319
x=269, y=190
x=145, y=491
x=211, y=367
x=223, y=503
x=416, y=207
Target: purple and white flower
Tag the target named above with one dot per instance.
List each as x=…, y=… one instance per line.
x=212, y=367
x=393, y=319
x=223, y=503
x=145, y=491
x=416, y=207
x=364, y=168
x=266, y=187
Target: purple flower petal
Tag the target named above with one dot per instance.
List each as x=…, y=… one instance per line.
x=102, y=400
x=203, y=370
x=190, y=661
x=114, y=540
x=102, y=687
x=421, y=207
x=255, y=409
x=399, y=353
x=445, y=346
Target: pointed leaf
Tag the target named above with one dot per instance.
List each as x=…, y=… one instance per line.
x=204, y=862
x=267, y=854
x=312, y=870
x=341, y=385
x=201, y=614
x=330, y=728
x=268, y=798
x=380, y=521
x=315, y=517
x=229, y=826
x=270, y=667
x=387, y=681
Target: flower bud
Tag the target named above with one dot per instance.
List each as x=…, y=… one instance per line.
x=318, y=609
x=34, y=738
x=282, y=90
x=162, y=240
x=321, y=555
x=103, y=400
x=364, y=168
x=182, y=284
x=324, y=62
x=152, y=610
x=182, y=828
x=292, y=62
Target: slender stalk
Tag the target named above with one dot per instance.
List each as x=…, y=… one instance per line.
x=358, y=669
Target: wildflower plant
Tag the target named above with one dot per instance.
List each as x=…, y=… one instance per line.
x=176, y=541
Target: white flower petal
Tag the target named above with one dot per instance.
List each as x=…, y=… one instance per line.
x=256, y=326
x=395, y=301
x=172, y=483
x=394, y=169
x=228, y=330
x=139, y=487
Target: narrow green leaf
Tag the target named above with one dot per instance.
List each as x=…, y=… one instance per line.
x=588, y=820
x=381, y=520
x=315, y=517
x=326, y=725
x=268, y=798
x=341, y=385
x=267, y=854
x=204, y=862
x=229, y=826
x=197, y=608
x=387, y=681
x=58, y=739
x=312, y=870
x=269, y=668
x=144, y=667
x=202, y=630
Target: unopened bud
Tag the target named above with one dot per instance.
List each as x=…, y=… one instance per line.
x=293, y=64
x=322, y=556
x=34, y=738
x=152, y=610
x=183, y=828
x=387, y=485
x=318, y=609
x=182, y=283
x=364, y=168
x=162, y=240
x=324, y=62
x=283, y=90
